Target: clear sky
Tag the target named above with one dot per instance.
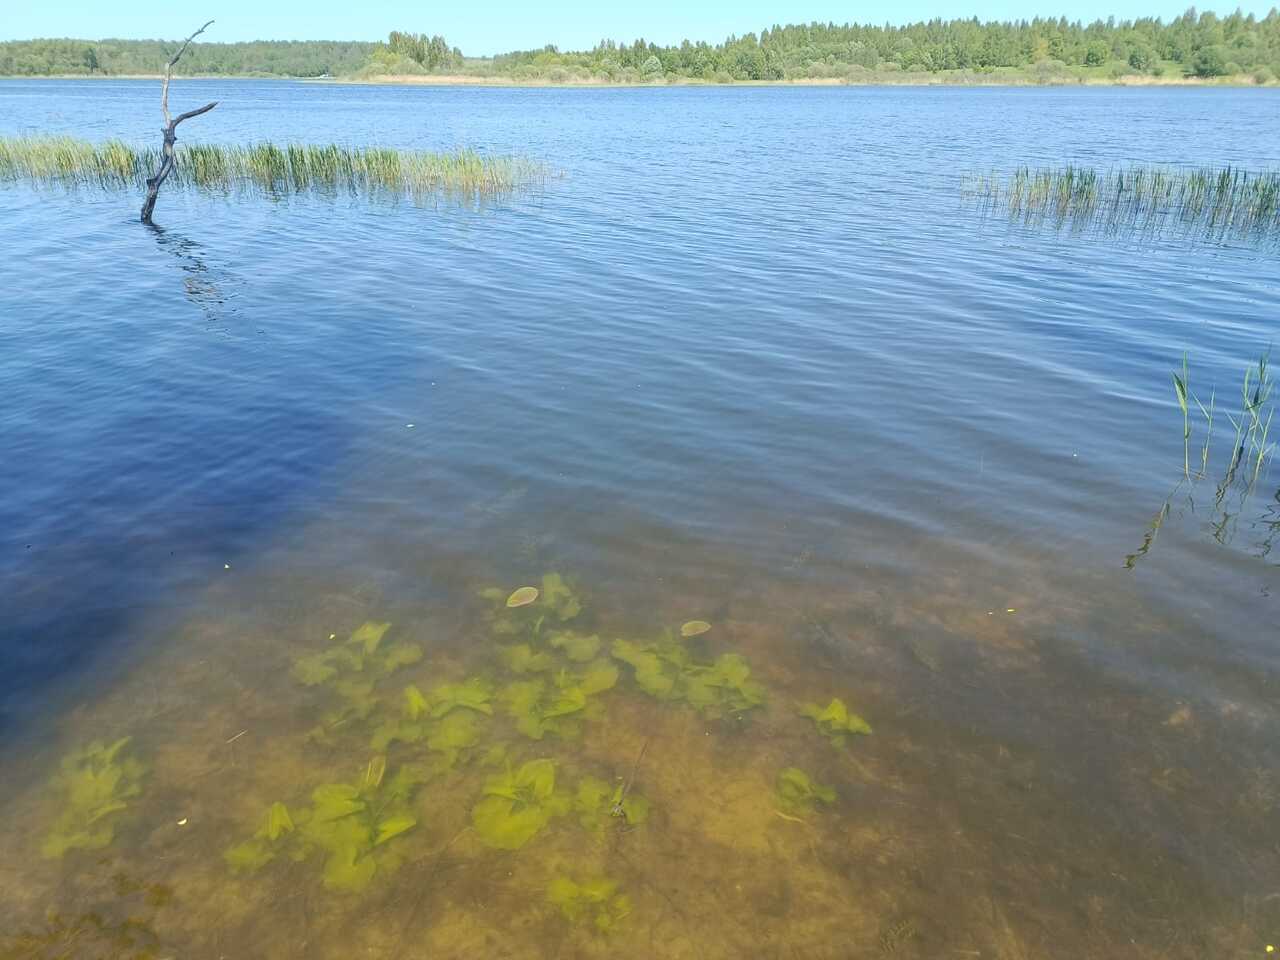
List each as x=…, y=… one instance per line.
x=496, y=26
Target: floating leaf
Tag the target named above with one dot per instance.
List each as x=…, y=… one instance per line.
x=797, y=792
x=835, y=721
x=522, y=597
x=694, y=628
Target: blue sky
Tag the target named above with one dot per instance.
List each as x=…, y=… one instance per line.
x=494, y=26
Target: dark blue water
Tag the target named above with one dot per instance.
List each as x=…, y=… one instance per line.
x=749, y=347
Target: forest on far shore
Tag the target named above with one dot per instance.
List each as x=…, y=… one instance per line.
x=1195, y=44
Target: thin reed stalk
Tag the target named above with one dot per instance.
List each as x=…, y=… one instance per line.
x=1215, y=203
x=270, y=169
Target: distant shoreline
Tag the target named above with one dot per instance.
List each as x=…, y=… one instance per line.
x=957, y=78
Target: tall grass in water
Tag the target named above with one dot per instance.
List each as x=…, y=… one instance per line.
x=269, y=168
x=1211, y=203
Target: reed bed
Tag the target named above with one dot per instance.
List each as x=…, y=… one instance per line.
x=269, y=168
x=1212, y=203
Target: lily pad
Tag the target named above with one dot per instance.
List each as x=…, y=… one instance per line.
x=694, y=628
x=522, y=597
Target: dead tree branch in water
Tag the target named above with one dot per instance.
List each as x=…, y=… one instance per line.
x=170, y=130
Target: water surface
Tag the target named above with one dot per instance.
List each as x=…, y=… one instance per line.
x=750, y=360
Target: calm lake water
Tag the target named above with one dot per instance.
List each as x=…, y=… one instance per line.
x=748, y=358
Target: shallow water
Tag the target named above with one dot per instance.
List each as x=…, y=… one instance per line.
x=750, y=360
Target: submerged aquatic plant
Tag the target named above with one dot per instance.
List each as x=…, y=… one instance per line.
x=517, y=805
x=1209, y=203
x=835, y=721
x=524, y=614
x=597, y=804
x=666, y=670
x=450, y=721
x=349, y=824
x=596, y=901
x=351, y=670
x=558, y=705
x=797, y=792
x=271, y=169
x=96, y=784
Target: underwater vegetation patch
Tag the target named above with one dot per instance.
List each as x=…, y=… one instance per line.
x=1209, y=203
x=597, y=804
x=269, y=169
x=517, y=804
x=835, y=721
x=558, y=705
x=595, y=901
x=96, y=785
x=450, y=720
x=797, y=792
x=348, y=825
x=524, y=614
x=666, y=670
x=351, y=669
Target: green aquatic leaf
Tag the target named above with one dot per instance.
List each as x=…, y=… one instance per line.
x=835, y=721
x=667, y=671
x=454, y=733
x=96, y=784
x=596, y=901
x=313, y=669
x=400, y=654
x=369, y=635
x=279, y=822
x=559, y=600
x=597, y=677
x=522, y=597
x=521, y=658
x=596, y=804
x=517, y=805
x=415, y=704
x=265, y=845
x=579, y=647
x=694, y=628
x=351, y=822
x=393, y=827
x=797, y=792
x=473, y=694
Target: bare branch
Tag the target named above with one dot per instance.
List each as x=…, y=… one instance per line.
x=168, y=160
x=168, y=70
x=194, y=113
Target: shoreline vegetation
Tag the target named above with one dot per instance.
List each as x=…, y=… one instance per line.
x=270, y=169
x=1195, y=48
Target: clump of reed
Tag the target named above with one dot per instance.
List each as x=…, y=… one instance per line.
x=1212, y=203
x=270, y=168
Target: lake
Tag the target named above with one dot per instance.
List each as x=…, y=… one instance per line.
x=746, y=367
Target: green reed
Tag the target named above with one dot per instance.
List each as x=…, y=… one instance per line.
x=1210, y=202
x=269, y=168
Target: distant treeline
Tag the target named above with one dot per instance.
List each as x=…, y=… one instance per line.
x=1195, y=44
x=282, y=58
